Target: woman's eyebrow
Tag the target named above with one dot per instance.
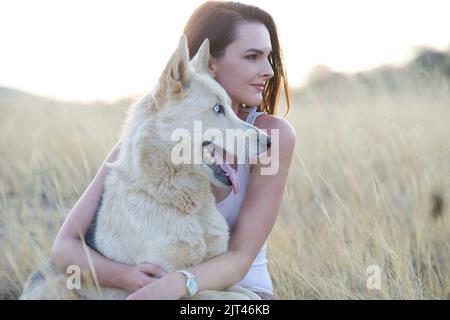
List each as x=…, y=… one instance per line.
x=257, y=51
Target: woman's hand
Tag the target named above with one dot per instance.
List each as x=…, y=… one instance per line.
x=172, y=286
x=139, y=276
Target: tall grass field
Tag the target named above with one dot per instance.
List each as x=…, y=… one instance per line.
x=365, y=213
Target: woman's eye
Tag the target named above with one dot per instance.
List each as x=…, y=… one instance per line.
x=218, y=108
x=252, y=57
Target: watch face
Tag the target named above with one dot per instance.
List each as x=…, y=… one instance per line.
x=192, y=286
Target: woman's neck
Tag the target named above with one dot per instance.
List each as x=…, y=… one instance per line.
x=241, y=112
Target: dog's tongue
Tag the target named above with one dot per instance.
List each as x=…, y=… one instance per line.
x=228, y=169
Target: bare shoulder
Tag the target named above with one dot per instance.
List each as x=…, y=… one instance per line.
x=270, y=122
x=285, y=137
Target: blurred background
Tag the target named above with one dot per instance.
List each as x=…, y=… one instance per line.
x=370, y=90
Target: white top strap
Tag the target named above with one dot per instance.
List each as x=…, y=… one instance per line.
x=253, y=114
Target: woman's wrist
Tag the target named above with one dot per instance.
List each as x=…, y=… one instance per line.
x=120, y=278
x=178, y=282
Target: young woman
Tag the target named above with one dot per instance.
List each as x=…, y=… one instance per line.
x=246, y=60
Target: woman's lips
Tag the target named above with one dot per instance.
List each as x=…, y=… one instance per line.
x=259, y=87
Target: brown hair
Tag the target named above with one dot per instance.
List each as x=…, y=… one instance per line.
x=217, y=21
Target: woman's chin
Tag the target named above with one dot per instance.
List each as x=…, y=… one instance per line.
x=254, y=101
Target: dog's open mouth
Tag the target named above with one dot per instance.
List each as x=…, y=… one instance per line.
x=220, y=167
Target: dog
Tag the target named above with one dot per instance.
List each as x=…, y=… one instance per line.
x=156, y=209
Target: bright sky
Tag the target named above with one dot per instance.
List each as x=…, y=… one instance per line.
x=107, y=49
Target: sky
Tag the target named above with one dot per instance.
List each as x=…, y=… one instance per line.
x=104, y=50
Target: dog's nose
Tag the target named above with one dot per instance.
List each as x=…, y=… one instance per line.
x=269, y=142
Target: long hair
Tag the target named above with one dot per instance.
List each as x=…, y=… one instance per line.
x=218, y=21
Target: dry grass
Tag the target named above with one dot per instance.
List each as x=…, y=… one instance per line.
x=366, y=178
x=369, y=186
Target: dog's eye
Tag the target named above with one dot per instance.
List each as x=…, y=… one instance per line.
x=218, y=108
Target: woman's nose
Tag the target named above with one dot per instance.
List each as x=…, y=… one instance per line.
x=268, y=70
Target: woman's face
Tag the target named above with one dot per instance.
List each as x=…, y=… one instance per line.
x=245, y=68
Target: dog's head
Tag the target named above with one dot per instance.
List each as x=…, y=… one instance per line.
x=193, y=107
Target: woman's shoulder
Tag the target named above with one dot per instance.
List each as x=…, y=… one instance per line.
x=271, y=122
x=285, y=130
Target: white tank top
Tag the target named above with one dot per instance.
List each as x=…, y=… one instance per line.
x=258, y=278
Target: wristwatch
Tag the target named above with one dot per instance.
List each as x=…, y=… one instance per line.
x=191, y=282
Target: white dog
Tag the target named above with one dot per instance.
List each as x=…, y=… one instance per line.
x=155, y=208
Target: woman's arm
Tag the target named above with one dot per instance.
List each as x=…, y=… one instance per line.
x=68, y=248
x=256, y=220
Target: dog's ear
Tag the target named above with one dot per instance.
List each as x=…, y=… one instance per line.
x=201, y=60
x=177, y=73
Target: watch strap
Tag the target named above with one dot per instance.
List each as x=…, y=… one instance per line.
x=189, y=276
